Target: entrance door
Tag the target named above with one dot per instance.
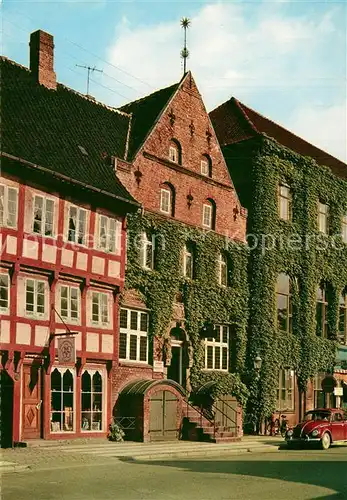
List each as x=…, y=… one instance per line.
x=163, y=416
x=6, y=409
x=31, y=403
x=174, y=371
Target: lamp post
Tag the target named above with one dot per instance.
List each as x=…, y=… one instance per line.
x=257, y=363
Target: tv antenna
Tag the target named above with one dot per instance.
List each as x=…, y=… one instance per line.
x=90, y=69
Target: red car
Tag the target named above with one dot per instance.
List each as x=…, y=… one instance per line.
x=322, y=426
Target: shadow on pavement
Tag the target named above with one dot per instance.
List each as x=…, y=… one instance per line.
x=323, y=473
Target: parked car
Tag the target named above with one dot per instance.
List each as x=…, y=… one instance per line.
x=322, y=426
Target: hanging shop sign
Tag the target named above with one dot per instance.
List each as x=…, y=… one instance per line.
x=67, y=350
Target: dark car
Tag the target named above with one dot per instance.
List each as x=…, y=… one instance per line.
x=322, y=426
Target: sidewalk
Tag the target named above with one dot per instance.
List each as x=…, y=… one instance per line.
x=50, y=454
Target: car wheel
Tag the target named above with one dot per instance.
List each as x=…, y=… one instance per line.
x=325, y=441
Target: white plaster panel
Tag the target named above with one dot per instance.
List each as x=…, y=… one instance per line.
x=113, y=269
x=98, y=265
x=11, y=245
x=41, y=335
x=67, y=257
x=30, y=248
x=82, y=261
x=23, y=333
x=5, y=332
x=93, y=342
x=49, y=253
x=56, y=338
x=107, y=343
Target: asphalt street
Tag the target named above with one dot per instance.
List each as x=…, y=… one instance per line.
x=286, y=474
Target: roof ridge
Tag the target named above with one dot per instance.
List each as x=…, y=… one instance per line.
x=69, y=89
x=241, y=106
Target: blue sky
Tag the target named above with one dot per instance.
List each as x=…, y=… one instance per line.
x=287, y=60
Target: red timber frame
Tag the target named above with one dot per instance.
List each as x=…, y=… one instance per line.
x=15, y=354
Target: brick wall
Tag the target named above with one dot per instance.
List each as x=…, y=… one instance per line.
x=193, y=129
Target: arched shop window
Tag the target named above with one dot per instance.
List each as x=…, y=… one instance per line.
x=92, y=401
x=62, y=400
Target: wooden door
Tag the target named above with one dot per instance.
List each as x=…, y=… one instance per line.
x=174, y=371
x=163, y=416
x=31, y=402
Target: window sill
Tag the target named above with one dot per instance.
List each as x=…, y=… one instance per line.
x=140, y=364
x=215, y=370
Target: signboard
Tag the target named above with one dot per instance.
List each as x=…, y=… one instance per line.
x=328, y=384
x=158, y=366
x=66, y=350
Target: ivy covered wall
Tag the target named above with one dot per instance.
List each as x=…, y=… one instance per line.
x=295, y=248
x=202, y=296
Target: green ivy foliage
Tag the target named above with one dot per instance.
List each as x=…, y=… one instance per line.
x=308, y=266
x=202, y=296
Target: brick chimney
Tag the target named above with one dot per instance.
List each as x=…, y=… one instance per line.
x=42, y=59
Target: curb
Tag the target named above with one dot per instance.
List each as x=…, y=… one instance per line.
x=14, y=468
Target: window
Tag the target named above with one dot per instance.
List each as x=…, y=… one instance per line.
x=109, y=234
x=8, y=206
x=147, y=250
x=165, y=201
x=285, y=390
x=206, y=166
x=342, y=332
x=321, y=312
x=100, y=308
x=69, y=302
x=284, y=303
x=43, y=216
x=209, y=214
x=217, y=350
x=285, y=202
x=222, y=270
x=133, y=341
x=91, y=401
x=4, y=293
x=62, y=400
x=318, y=393
x=344, y=228
x=188, y=261
x=323, y=215
x=35, y=297
x=175, y=152
x=77, y=224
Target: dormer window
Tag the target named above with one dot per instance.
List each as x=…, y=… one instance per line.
x=175, y=152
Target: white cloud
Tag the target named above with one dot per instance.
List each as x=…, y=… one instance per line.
x=244, y=50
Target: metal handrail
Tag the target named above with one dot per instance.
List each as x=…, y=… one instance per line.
x=202, y=415
x=226, y=416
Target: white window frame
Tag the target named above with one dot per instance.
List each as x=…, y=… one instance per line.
x=344, y=228
x=147, y=245
x=69, y=300
x=92, y=372
x=222, y=270
x=128, y=331
x=62, y=372
x=102, y=301
x=187, y=253
x=205, y=167
x=214, y=343
x=78, y=232
x=7, y=214
x=109, y=243
x=285, y=196
x=5, y=310
x=289, y=374
x=165, y=193
x=173, y=153
x=35, y=304
x=44, y=221
x=323, y=218
x=207, y=208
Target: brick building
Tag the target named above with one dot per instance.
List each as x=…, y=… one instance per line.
x=72, y=169
x=295, y=194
